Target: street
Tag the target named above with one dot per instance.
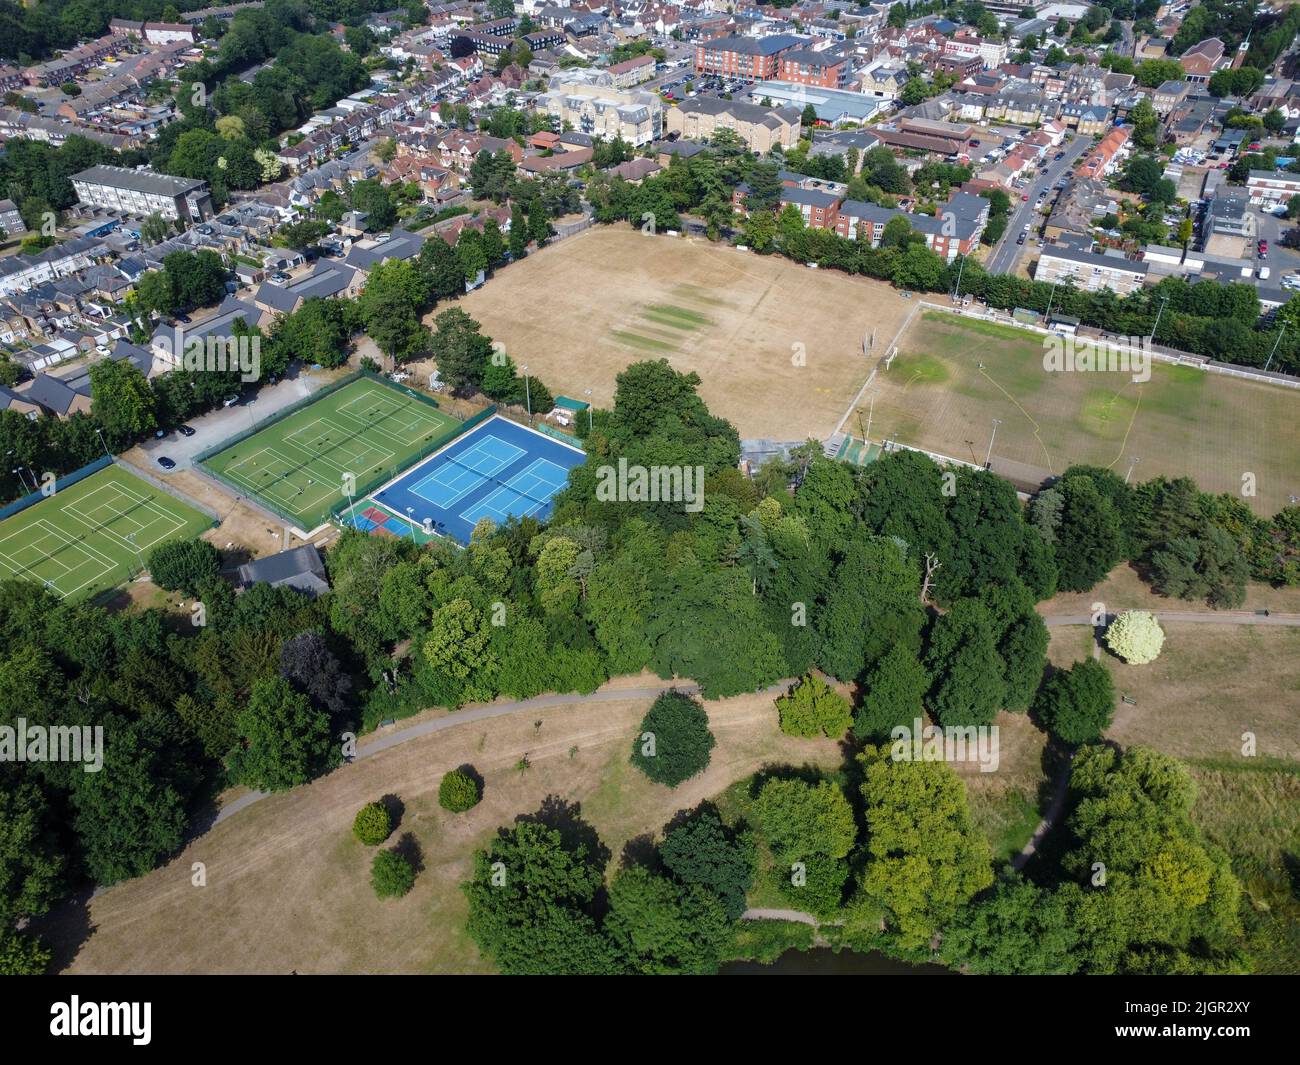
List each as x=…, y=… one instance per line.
x=1007, y=252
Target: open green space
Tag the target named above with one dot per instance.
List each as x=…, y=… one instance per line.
x=93, y=535
x=299, y=465
x=952, y=377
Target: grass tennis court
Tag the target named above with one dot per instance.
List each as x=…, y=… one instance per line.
x=93, y=535
x=953, y=376
x=297, y=465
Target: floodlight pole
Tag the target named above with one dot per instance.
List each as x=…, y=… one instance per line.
x=102, y=443
x=528, y=395
x=1275, y=344
x=410, y=515
x=587, y=393
x=989, y=457
x=1163, y=301
x=1131, y=464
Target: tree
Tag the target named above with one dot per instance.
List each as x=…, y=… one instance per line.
x=129, y=815
x=184, y=565
x=372, y=824
x=375, y=201
x=674, y=741
x=1077, y=704
x=701, y=850
x=800, y=819
x=894, y=689
x=286, y=741
x=463, y=352
x=31, y=861
x=1210, y=566
x=813, y=708
x=458, y=791
x=457, y=648
x=966, y=671
x=925, y=858
x=307, y=663
x=121, y=401
x=22, y=954
x=661, y=926
x=1021, y=929
x=1089, y=539
x=808, y=118
x=1136, y=636
x=391, y=874
x=529, y=897
x=871, y=604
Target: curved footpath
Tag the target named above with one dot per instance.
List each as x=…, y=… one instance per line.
x=483, y=712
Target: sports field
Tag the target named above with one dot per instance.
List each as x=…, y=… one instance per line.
x=93, y=535
x=297, y=465
x=953, y=376
x=779, y=347
x=497, y=470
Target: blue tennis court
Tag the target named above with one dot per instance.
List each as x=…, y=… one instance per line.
x=498, y=470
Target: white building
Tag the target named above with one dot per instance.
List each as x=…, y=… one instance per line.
x=142, y=193
x=1269, y=188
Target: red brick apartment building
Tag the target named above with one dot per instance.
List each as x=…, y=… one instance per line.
x=806, y=67
x=744, y=58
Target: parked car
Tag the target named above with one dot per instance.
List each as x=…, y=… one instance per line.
x=166, y=463
x=186, y=430
x=1020, y=239
x=1024, y=198
x=183, y=318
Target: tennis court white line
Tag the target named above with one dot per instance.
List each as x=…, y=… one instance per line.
x=140, y=503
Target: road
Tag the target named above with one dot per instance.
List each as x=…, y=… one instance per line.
x=1007, y=252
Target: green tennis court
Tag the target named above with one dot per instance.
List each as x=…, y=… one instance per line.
x=95, y=534
x=303, y=465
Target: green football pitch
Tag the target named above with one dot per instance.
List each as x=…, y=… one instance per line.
x=299, y=466
x=93, y=535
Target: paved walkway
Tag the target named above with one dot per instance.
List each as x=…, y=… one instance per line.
x=1195, y=617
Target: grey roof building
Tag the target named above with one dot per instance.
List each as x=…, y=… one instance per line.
x=300, y=568
x=143, y=192
x=399, y=245
x=328, y=279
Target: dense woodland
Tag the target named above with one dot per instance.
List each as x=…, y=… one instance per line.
x=811, y=564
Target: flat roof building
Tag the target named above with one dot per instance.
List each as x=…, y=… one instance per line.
x=142, y=192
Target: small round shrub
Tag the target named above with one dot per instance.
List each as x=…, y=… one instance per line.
x=1136, y=636
x=458, y=792
x=372, y=824
x=391, y=875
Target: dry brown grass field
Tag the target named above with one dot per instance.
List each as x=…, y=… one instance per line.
x=1211, y=684
x=953, y=376
x=579, y=312
x=288, y=886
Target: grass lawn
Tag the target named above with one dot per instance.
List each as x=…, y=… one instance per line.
x=95, y=534
x=953, y=376
x=1250, y=811
x=1210, y=685
x=297, y=465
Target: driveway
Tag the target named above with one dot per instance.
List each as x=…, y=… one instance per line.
x=1006, y=254
x=224, y=422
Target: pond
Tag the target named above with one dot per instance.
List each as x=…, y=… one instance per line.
x=822, y=961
